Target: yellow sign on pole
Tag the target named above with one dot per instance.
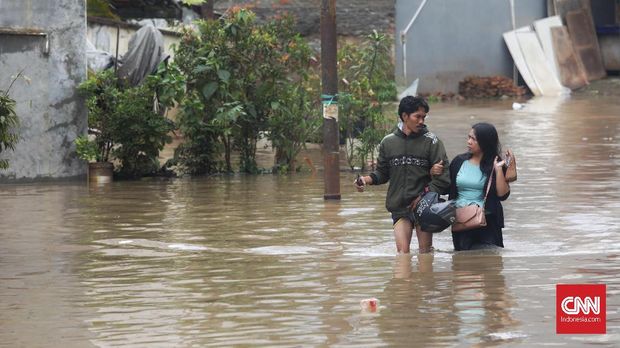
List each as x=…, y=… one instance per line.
x=330, y=111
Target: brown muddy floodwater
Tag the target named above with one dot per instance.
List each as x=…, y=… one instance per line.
x=264, y=261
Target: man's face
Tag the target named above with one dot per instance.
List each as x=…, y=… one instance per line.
x=415, y=120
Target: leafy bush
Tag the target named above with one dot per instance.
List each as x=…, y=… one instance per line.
x=102, y=94
x=236, y=80
x=86, y=149
x=366, y=87
x=8, y=123
x=296, y=116
x=243, y=79
x=141, y=131
x=125, y=123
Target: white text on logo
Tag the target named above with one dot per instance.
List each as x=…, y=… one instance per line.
x=573, y=305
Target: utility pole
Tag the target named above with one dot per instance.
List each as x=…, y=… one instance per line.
x=329, y=99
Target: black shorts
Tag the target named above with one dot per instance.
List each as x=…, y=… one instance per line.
x=396, y=217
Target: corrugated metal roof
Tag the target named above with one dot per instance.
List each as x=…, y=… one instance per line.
x=146, y=8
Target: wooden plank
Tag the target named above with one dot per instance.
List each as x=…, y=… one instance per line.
x=510, y=38
x=551, y=8
x=571, y=71
x=543, y=31
x=537, y=64
x=563, y=7
x=581, y=29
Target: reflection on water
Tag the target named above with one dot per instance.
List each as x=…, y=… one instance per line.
x=243, y=260
x=468, y=300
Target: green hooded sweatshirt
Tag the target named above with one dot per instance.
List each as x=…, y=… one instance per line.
x=405, y=161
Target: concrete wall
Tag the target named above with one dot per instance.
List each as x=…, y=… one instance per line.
x=452, y=39
x=52, y=114
x=102, y=34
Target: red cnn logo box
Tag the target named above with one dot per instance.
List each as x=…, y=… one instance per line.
x=580, y=308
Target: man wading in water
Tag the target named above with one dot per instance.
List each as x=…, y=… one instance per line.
x=405, y=159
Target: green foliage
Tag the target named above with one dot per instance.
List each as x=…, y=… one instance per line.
x=102, y=94
x=140, y=131
x=295, y=116
x=125, y=122
x=366, y=86
x=293, y=121
x=8, y=123
x=236, y=80
x=100, y=8
x=432, y=99
x=242, y=79
x=86, y=149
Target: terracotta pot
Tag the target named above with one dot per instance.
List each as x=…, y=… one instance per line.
x=100, y=172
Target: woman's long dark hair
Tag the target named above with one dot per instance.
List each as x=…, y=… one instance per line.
x=488, y=140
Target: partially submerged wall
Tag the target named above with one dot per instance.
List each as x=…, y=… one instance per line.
x=45, y=40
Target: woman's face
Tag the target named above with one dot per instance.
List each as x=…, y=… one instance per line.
x=472, y=143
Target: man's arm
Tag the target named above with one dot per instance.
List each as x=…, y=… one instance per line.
x=381, y=175
x=440, y=183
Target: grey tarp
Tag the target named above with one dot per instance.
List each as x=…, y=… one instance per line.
x=146, y=51
x=97, y=59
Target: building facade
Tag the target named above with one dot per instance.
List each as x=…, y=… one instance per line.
x=45, y=40
x=440, y=42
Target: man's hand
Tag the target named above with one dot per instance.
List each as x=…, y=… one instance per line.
x=437, y=168
x=414, y=203
x=359, y=183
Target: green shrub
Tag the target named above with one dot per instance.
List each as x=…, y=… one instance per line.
x=236, y=80
x=366, y=87
x=125, y=123
x=102, y=94
x=86, y=149
x=243, y=79
x=141, y=132
x=8, y=123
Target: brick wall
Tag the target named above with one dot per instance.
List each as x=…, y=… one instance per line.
x=354, y=17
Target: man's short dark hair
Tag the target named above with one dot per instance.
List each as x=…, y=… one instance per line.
x=410, y=104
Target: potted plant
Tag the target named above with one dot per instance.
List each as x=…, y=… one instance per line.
x=123, y=125
x=98, y=171
x=101, y=93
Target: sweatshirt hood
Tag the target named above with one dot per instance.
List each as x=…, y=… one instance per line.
x=398, y=131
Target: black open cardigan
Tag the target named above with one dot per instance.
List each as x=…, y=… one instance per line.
x=493, y=205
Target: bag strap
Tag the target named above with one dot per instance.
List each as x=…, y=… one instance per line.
x=489, y=185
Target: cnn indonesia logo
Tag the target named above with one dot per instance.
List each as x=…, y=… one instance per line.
x=581, y=308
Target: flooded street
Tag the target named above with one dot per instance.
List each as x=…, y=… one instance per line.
x=265, y=261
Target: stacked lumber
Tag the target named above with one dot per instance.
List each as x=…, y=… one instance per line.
x=489, y=87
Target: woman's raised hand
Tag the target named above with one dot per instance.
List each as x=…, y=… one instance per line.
x=511, y=161
x=499, y=163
